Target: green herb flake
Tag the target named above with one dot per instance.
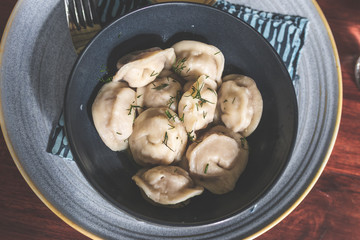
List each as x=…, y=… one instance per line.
x=118, y=133
x=204, y=114
x=165, y=142
x=212, y=90
x=179, y=65
x=153, y=74
x=233, y=100
x=190, y=136
x=132, y=107
x=225, y=101
x=206, y=168
x=139, y=96
x=217, y=52
x=162, y=86
x=168, y=114
x=196, y=93
x=106, y=79
x=171, y=127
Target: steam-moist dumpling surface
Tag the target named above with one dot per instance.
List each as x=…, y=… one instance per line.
x=159, y=137
x=240, y=104
x=163, y=92
x=197, y=105
x=141, y=67
x=167, y=185
x=218, y=159
x=194, y=59
x=110, y=112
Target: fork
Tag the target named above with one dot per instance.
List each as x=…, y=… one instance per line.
x=87, y=17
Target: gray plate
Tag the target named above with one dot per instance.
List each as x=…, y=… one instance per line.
x=37, y=58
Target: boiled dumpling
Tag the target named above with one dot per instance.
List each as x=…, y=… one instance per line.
x=159, y=137
x=194, y=59
x=142, y=67
x=167, y=185
x=218, y=159
x=163, y=92
x=197, y=105
x=240, y=104
x=112, y=114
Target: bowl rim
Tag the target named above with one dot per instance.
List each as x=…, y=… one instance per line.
x=230, y=216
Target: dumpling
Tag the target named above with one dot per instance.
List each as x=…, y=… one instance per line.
x=142, y=67
x=218, y=159
x=240, y=104
x=163, y=92
x=159, y=137
x=194, y=59
x=112, y=114
x=167, y=185
x=197, y=105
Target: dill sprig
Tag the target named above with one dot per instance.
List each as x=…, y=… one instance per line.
x=165, y=141
x=161, y=86
x=179, y=65
x=196, y=93
x=190, y=136
x=206, y=168
x=132, y=107
x=153, y=74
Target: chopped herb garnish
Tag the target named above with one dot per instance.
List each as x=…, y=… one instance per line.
x=132, y=107
x=197, y=106
x=119, y=133
x=204, y=114
x=217, y=52
x=178, y=66
x=182, y=118
x=162, y=86
x=196, y=93
x=171, y=126
x=168, y=114
x=171, y=101
x=106, y=79
x=190, y=136
x=153, y=74
x=233, y=100
x=139, y=96
x=206, y=168
x=212, y=90
x=225, y=100
x=165, y=142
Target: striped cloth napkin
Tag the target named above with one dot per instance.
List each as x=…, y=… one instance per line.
x=285, y=33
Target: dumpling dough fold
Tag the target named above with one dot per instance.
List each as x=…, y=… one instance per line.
x=240, y=104
x=197, y=105
x=142, y=67
x=194, y=59
x=163, y=92
x=159, y=137
x=218, y=159
x=167, y=185
x=112, y=116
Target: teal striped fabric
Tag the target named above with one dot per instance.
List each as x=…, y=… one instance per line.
x=285, y=33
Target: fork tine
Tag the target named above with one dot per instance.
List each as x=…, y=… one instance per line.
x=81, y=13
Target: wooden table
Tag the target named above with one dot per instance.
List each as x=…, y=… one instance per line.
x=330, y=211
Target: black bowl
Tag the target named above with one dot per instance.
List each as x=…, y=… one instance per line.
x=245, y=51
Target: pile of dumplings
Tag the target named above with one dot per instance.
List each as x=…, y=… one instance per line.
x=183, y=122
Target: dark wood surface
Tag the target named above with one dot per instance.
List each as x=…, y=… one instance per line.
x=330, y=211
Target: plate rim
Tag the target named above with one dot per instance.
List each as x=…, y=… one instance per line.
x=256, y=234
